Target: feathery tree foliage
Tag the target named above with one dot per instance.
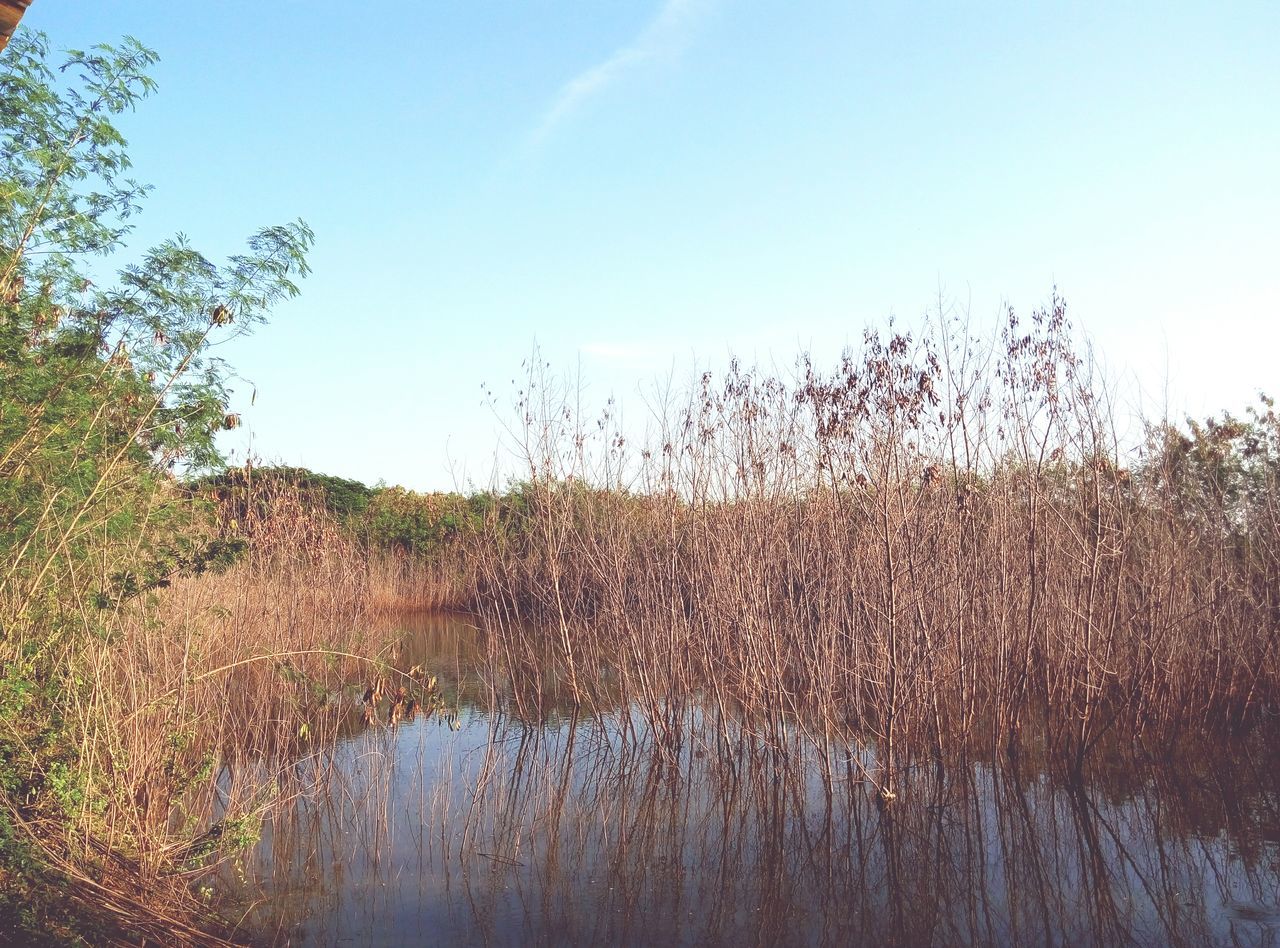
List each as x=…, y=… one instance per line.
x=104, y=391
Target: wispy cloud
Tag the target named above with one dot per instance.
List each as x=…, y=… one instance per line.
x=666, y=35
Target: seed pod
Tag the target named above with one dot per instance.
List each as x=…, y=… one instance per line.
x=15, y=290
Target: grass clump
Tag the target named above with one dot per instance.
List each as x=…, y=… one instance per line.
x=941, y=540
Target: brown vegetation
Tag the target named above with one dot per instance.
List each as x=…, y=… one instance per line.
x=204, y=698
x=941, y=541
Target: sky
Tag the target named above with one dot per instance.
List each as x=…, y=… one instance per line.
x=645, y=187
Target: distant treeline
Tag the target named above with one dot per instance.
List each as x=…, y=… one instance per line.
x=386, y=517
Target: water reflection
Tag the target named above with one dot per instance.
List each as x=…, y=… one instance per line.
x=535, y=826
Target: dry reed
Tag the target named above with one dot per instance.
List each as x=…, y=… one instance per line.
x=938, y=543
x=207, y=695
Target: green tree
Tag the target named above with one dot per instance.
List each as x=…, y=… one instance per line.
x=104, y=391
x=238, y=489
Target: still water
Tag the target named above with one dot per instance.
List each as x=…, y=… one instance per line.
x=509, y=822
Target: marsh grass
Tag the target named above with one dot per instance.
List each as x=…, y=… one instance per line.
x=201, y=699
x=938, y=550
x=942, y=541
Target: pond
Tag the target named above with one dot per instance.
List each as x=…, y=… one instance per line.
x=504, y=821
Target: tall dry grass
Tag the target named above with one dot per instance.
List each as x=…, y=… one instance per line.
x=204, y=697
x=942, y=540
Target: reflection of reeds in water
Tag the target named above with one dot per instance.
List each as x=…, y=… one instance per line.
x=519, y=834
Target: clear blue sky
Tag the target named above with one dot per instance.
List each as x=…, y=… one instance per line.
x=636, y=184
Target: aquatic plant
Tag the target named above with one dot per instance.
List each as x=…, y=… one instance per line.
x=941, y=540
